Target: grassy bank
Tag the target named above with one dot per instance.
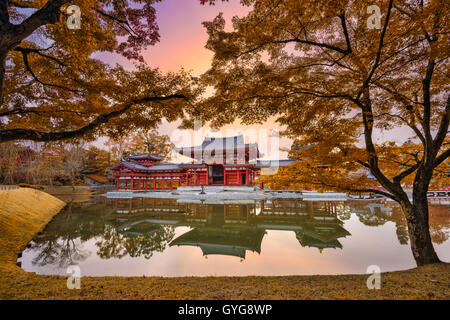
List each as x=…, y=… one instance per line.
x=68, y=190
x=24, y=212
x=70, y=194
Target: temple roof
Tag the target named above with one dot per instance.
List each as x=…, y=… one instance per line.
x=212, y=145
x=331, y=233
x=224, y=241
x=308, y=241
x=155, y=167
x=142, y=156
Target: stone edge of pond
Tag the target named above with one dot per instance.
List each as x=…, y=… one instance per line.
x=32, y=210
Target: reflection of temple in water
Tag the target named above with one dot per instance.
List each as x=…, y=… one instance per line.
x=232, y=228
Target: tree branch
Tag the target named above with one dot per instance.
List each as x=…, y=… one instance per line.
x=344, y=29
x=297, y=40
x=39, y=52
x=49, y=13
x=28, y=67
x=30, y=134
x=398, y=178
x=427, y=106
x=378, y=56
x=441, y=158
x=443, y=127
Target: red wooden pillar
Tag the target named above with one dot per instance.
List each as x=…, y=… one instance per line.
x=171, y=183
x=132, y=183
x=163, y=182
x=154, y=183
x=207, y=175
x=117, y=188
x=246, y=175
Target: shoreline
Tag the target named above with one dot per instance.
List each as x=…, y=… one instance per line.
x=19, y=224
x=228, y=193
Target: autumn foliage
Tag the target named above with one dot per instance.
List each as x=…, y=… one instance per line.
x=335, y=80
x=54, y=85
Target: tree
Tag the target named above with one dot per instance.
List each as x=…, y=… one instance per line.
x=333, y=80
x=96, y=161
x=73, y=163
x=117, y=148
x=9, y=162
x=152, y=142
x=47, y=165
x=52, y=87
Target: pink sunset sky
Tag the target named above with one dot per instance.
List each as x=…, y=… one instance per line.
x=182, y=42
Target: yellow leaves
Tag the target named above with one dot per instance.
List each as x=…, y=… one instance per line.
x=322, y=169
x=316, y=81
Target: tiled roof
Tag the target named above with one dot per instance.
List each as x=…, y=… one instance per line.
x=155, y=167
x=179, y=166
x=145, y=156
x=193, y=165
x=212, y=145
x=164, y=166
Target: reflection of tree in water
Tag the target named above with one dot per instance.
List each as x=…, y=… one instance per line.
x=371, y=220
x=116, y=244
x=61, y=252
x=61, y=245
x=439, y=223
x=344, y=212
x=379, y=217
x=62, y=242
x=438, y=217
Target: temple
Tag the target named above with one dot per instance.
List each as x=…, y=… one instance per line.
x=227, y=161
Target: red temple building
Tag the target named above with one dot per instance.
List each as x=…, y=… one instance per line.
x=217, y=161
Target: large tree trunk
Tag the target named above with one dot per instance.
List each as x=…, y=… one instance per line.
x=418, y=227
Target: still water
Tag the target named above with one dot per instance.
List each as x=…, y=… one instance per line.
x=157, y=237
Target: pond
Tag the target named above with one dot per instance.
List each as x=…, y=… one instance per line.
x=157, y=237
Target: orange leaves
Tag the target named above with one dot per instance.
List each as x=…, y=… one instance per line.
x=322, y=73
x=54, y=85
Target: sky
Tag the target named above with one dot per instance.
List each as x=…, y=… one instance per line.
x=181, y=45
